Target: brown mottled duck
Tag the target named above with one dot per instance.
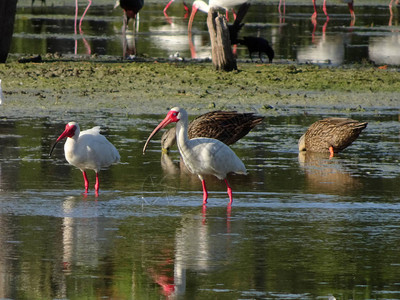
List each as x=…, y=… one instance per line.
x=331, y=135
x=226, y=126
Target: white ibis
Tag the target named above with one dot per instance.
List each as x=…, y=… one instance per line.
x=226, y=126
x=1, y=94
x=331, y=135
x=202, y=156
x=349, y=3
x=87, y=150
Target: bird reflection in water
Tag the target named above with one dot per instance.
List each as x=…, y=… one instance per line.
x=131, y=11
x=324, y=175
x=169, y=20
x=196, y=244
x=81, y=33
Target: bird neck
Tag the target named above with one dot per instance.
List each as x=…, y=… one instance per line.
x=182, y=137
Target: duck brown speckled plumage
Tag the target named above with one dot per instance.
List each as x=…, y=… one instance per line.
x=331, y=135
x=226, y=126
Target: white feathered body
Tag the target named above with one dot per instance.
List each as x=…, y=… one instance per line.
x=89, y=150
x=206, y=156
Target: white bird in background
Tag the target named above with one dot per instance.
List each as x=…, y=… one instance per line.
x=1, y=94
x=87, y=150
x=204, y=7
x=202, y=156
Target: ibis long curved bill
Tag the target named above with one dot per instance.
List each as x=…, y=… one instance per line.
x=68, y=132
x=202, y=156
x=171, y=117
x=87, y=150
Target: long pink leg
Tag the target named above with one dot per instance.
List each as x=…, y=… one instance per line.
x=76, y=15
x=325, y=11
x=96, y=186
x=86, y=181
x=205, y=193
x=166, y=6
x=229, y=190
x=83, y=15
x=315, y=10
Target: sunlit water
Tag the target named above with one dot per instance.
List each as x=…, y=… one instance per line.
x=372, y=37
x=300, y=227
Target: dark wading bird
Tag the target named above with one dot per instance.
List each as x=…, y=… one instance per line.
x=87, y=150
x=226, y=126
x=131, y=9
x=257, y=44
x=202, y=156
x=331, y=135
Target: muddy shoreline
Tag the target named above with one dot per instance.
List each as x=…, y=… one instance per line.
x=61, y=87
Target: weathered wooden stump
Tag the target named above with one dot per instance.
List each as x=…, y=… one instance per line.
x=222, y=56
x=8, y=9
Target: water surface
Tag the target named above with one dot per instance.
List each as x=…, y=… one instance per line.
x=301, y=227
x=372, y=36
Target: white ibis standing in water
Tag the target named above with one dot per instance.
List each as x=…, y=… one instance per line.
x=202, y=156
x=349, y=3
x=331, y=135
x=226, y=126
x=87, y=150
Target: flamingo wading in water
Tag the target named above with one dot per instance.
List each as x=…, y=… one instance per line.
x=202, y=156
x=349, y=3
x=87, y=150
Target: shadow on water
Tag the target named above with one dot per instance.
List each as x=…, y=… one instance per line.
x=300, y=227
x=372, y=36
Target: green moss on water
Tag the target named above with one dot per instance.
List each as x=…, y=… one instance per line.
x=153, y=87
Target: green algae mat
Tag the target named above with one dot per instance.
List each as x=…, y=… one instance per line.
x=153, y=87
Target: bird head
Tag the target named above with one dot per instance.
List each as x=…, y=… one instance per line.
x=302, y=143
x=173, y=116
x=168, y=139
x=70, y=130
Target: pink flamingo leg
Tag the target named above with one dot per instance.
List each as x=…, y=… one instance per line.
x=314, y=16
x=96, y=186
x=229, y=190
x=205, y=193
x=325, y=11
x=86, y=181
x=186, y=7
x=76, y=19
x=166, y=6
x=76, y=15
x=83, y=15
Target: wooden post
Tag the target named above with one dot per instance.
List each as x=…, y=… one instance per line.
x=8, y=9
x=222, y=56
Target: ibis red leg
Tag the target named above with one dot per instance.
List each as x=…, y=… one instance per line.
x=205, y=193
x=86, y=181
x=96, y=186
x=229, y=190
x=331, y=152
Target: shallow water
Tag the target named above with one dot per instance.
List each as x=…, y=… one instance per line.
x=301, y=227
x=373, y=36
